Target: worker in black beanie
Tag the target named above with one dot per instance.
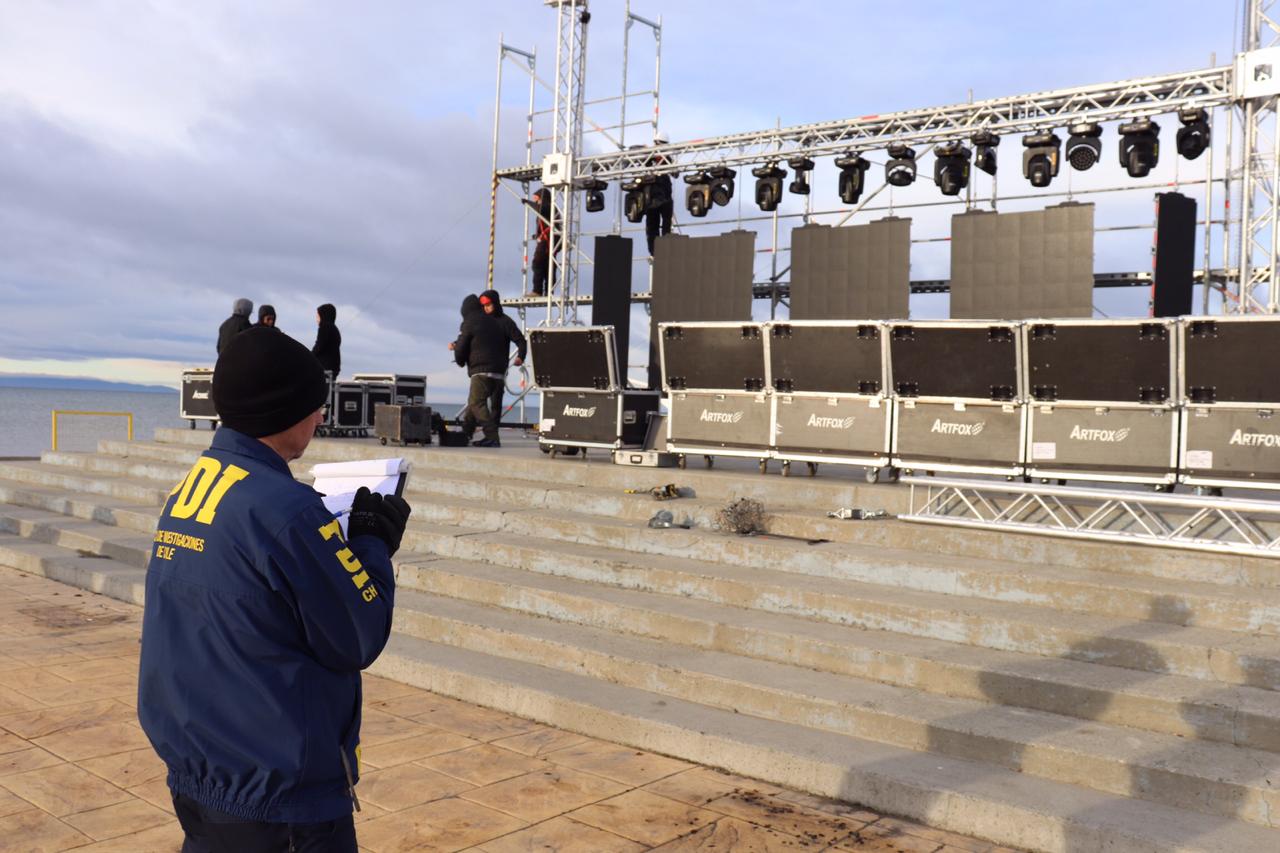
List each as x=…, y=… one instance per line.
x=262, y=609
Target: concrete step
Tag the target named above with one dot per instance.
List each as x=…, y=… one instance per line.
x=1063, y=588
x=115, y=512
x=86, y=537
x=84, y=571
x=1215, y=778
x=1201, y=653
x=794, y=511
x=1173, y=705
x=953, y=794
x=72, y=480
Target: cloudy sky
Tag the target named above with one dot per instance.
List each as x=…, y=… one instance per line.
x=159, y=158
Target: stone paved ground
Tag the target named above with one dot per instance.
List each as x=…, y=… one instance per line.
x=76, y=771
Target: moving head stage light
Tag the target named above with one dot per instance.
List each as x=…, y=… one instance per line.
x=594, y=188
x=1041, y=159
x=635, y=202
x=900, y=171
x=697, y=198
x=951, y=167
x=1139, y=147
x=1084, y=146
x=802, y=166
x=768, y=186
x=853, y=176
x=984, y=155
x=1193, y=136
x=721, y=184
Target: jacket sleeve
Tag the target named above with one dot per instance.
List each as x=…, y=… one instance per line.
x=517, y=337
x=462, y=346
x=343, y=591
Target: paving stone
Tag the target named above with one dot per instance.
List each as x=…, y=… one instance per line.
x=431, y=742
x=22, y=760
x=560, y=835
x=94, y=741
x=644, y=817
x=622, y=764
x=127, y=769
x=35, y=831
x=63, y=789
x=127, y=818
x=444, y=825
x=544, y=793
x=484, y=764
x=729, y=835
x=406, y=785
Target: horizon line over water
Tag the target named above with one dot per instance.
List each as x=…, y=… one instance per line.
x=25, y=422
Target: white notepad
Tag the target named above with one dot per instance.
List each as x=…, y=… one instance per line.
x=339, y=482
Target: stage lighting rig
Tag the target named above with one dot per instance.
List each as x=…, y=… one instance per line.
x=984, y=153
x=768, y=185
x=1193, y=136
x=721, y=184
x=594, y=188
x=802, y=166
x=853, y=176
x=951, y=167
x=697, y=197
x=1084, y=146
x=1139, y=147
x=1041, y=159
x=900, y=171
x=635, y=201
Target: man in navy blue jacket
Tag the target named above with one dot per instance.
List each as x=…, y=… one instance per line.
x=260, y=614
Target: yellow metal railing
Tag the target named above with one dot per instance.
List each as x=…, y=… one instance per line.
x=56, y=412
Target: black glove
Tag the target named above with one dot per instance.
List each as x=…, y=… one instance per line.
x=373, y=514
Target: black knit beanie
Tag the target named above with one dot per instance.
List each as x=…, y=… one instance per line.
x=265, y=382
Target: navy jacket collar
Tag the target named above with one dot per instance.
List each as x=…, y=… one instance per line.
x=230, y=441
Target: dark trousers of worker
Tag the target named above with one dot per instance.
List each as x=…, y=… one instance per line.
x=541, y=258
x=484, y=406
x=210, y=831
x=658, y=220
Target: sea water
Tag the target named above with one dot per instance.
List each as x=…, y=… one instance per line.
x=25, y=423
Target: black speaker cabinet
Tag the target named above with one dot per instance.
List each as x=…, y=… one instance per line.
x=402, y=424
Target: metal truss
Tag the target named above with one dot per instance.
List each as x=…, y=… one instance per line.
x=1258, y=290
x=1245, y=527
x=1018, y=114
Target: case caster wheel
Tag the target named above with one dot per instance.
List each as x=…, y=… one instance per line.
x=682, y=462
x=1162, y=487
x=544, y=448
x=709, y=461
x=786, y=468
x=554, y=451
x=193, y=424
x=764, y=466
x=894, y=474
x=404, y=443
x=584, y=454
x=383, y=441
x=813, y=468
x=873, y=475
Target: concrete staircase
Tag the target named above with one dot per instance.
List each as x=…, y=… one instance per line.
x=1045, y=694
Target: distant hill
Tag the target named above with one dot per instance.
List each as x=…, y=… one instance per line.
x=72, y=383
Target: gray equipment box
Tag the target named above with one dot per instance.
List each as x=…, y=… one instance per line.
x=604, y=419
x=737, y=424
x=1229, y=388
x=849, y=429
x=961, y=435
x=1123, y=444
x=195, y=403
x=402, y=424
x=408, y=389
x=830, y=381
x=1228, y=445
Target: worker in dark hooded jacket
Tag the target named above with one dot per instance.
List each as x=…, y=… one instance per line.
x=262, y=609
x=328, y=348
x=483, y=347
x=235, y=324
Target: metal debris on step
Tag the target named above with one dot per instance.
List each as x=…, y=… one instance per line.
x=845, y=513
x=663, y=520
x=745, y=515
x=662, y=493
